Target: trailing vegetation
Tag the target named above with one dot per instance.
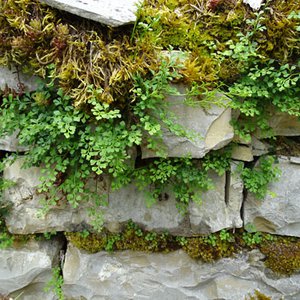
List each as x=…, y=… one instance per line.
x=103, y=91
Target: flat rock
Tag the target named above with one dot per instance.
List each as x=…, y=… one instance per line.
x=221, y=206
x=137, y=275
x=210, y=129
x=279, y=214
x=258, y=147
x=242, y=152
x=123, y=205
x=282, y=124
x=112, y=13
x=26, y=270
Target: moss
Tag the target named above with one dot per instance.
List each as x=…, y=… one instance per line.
x=282, y=255
x=81, y=53
x=258, y=296
x=201, y=248
x=91, y=243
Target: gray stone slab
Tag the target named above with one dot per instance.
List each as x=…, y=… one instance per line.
x=11, y=143
x=14, y=78
x=210, y=128
x=278, y=214
x=109, y=12
x=26, y=270
x=215, y=213
x=137, y=275
x=123, y=205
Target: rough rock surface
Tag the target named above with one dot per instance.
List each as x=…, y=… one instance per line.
x=279, y=214
x=112, y=12
x=255, y=4
x=242, y=152
x=24, y=215
x=211, y=129
x=137, y=275
x=11, y=144
x=258, y=147
x=26, y=270
x=125, y=204
x=220, y=207
x=282, y=124
x=15, y=79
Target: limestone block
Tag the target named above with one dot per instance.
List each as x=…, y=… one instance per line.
x=24, y=216
x=13, y=79
x=254, y=4
x=123, y=205
x=221, y=206
x=138, y=275
x=11, y=144
x=258, y=147
x=279, y=214
x=211, y=129
x=242, y=152
x=113, y=12
x=26, y=270
x=282, y=124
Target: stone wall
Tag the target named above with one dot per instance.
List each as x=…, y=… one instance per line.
x=26, y=268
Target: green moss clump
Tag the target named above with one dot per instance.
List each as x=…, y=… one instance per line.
x=131, y=238
x=202, y=248
x=258, y=296
x=282, y=255
x=91, y=243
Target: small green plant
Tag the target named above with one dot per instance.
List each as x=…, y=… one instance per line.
x=256, y=180
x=111, y=240
x=85, y=233
x=184, y=176
x=55, y=284
x=225, y=236
x=6, y=239
x=211, y=240
x=49, y=235
x=252, y=238
x=181, y=240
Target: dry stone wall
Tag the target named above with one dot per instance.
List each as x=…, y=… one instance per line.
x=26, y=269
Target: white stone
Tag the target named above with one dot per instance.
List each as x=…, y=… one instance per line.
x=26, y=270
x=138, y=275
x=218, y=210
x=210, y=128
x=279, y=214
x=109, y=12
x=254, y=4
